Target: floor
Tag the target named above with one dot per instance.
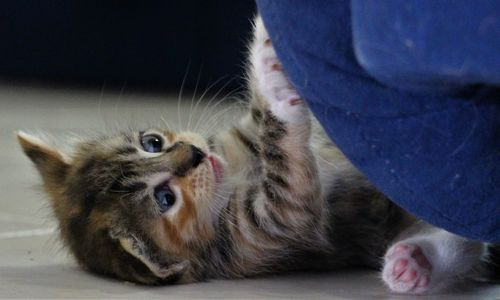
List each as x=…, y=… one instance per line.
x=32, y=263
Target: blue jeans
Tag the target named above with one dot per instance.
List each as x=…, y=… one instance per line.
x=410, y=92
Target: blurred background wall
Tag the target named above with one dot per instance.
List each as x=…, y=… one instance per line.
x=140, y=44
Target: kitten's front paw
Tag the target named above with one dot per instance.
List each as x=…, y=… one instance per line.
x=283, y=100
x=406, y=269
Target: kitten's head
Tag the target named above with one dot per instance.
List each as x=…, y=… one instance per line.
x=138, y=206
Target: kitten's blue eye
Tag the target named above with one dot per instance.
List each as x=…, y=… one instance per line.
x=165, y=197
x=152, y=143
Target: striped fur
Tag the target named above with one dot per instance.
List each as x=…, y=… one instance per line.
x=288, y=199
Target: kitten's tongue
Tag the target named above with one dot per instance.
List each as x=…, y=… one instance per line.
x=216, y=167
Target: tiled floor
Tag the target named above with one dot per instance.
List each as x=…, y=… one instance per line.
x=32, y=264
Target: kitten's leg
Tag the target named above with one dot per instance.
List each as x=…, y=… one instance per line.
x=273, y=99
x=429, y=261
x=287, y=199
x=277, y=205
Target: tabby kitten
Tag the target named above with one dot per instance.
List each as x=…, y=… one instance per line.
x=271, y=194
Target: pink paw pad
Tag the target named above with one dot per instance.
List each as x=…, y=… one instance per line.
x=272, y=64
x=295, y=101
x=273, y=85
x=276, y=67
x=406, y=269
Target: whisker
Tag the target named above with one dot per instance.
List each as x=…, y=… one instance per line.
x=215, y=118
x=180, y=96
x=165, y=122
x=202, y=114
x=209, y=114
x=192, y=99
x=210, y=125
x=117, y=105
x=195, y=109
x=99, y=104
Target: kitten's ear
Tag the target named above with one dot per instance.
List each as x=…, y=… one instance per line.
x=155, y=264
x=49, y=162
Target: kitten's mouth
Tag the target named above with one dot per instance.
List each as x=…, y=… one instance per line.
x=216, y=167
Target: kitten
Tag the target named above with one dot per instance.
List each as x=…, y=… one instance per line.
x=271, y=194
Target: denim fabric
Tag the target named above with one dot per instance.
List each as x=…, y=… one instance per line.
x=432, y=45
x=435, y=152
